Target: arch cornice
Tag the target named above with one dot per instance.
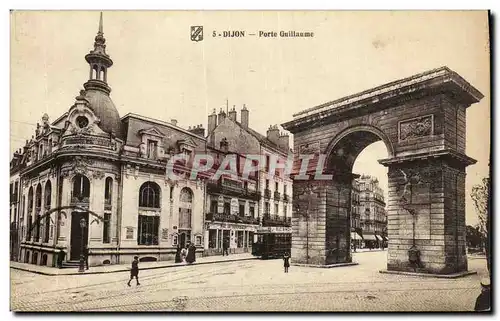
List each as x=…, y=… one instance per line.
x=360, y=128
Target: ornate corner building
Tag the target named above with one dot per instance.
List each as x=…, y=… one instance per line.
x=93, y=179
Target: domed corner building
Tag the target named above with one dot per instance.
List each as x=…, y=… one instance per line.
x=92, y=179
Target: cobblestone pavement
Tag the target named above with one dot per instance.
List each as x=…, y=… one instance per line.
x=249, y=286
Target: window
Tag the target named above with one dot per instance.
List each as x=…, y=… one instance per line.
x=267, y=163
x=106, y=228
x=267, y=208
x=284, y=210
x=152, y=147
x=11, y=192
x=214, y=206
x=212, y=239
x=252, y=210
x=108, y=189
x=242, y=210
x=148, y=230
x=38, y=208
x=81, y=188
x=227, y=208
x=175, y=240
x=186, y=200
x=267, y=184
x=276, y=186
x=149, y=195
x=275, y=209
x=48, y=200
x=197, y=241
x=284, y=189
x=171, y=193
x=28, y=215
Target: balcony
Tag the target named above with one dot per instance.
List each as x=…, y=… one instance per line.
x=231, y=190
x=277, y=195
x=267, y=193
x=286, y=198
x=276, y=220
x=107, y=204
x=81, y=201
x=231, y=218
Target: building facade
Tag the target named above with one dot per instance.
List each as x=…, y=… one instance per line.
x=238, y=207
x=356, y=231
x=373, y=215
x=94, y=179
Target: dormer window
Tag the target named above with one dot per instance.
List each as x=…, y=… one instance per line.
x=152, y=149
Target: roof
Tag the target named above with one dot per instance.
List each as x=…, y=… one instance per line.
x=261, y=138
x=104, y=108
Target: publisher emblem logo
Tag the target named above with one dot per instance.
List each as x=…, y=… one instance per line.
x=196, y=33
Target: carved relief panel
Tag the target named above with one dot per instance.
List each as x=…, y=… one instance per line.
x=416, y=127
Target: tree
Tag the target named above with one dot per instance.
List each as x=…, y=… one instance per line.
x=481, y=197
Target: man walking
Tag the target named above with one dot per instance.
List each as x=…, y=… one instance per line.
x=86, y=255
x=134, y=271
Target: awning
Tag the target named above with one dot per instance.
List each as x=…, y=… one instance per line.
x=385, y=238
x=369, y=237
x=379, y=237
x=354, y=236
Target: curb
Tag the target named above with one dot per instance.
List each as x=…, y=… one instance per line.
x=430, y=275
x=127, y=269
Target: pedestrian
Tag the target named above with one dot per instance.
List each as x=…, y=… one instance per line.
x=286, y=262
x=483, y=301
x=225, y=247
x=178, y=254
x=191, y=253
x=134, y=271
x=184, y=254
x=86, y=255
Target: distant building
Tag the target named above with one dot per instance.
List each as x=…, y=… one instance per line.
x=356, y=232
x=372, y=212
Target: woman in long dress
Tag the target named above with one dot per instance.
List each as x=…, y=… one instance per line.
x=191, y=255
x=178, y=254
x=183, y=254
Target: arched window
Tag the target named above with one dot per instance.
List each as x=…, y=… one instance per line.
x=95, y=72
x=149, y=195
x=48, y=200
x=38, y=208
x=108, y=190
x=101, y=74
x=185, y=208
x=81, y=189
x=29, y=214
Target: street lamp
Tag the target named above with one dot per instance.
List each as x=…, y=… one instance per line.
x=83, y=224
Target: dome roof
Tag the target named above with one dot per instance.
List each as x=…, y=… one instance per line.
x=104, y=108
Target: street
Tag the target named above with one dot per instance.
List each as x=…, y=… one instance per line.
x=253, y=285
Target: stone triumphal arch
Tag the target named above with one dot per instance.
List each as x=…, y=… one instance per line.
x=421, y=120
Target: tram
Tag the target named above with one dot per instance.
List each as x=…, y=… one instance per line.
x=272, y=242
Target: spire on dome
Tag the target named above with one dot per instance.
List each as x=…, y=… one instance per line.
x=99, y=62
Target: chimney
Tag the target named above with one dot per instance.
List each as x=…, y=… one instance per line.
x=244, y=116
x=212, y=122
x=224, y=145
x=197, y=130
x=173, y=122
x=222, y=116
x=284, y=141
x=232, y=114
x=273, y=134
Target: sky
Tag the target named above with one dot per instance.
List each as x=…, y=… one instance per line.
x=159, y=72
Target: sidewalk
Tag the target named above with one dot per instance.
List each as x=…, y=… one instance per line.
x=368, y=250
x=46, y=270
